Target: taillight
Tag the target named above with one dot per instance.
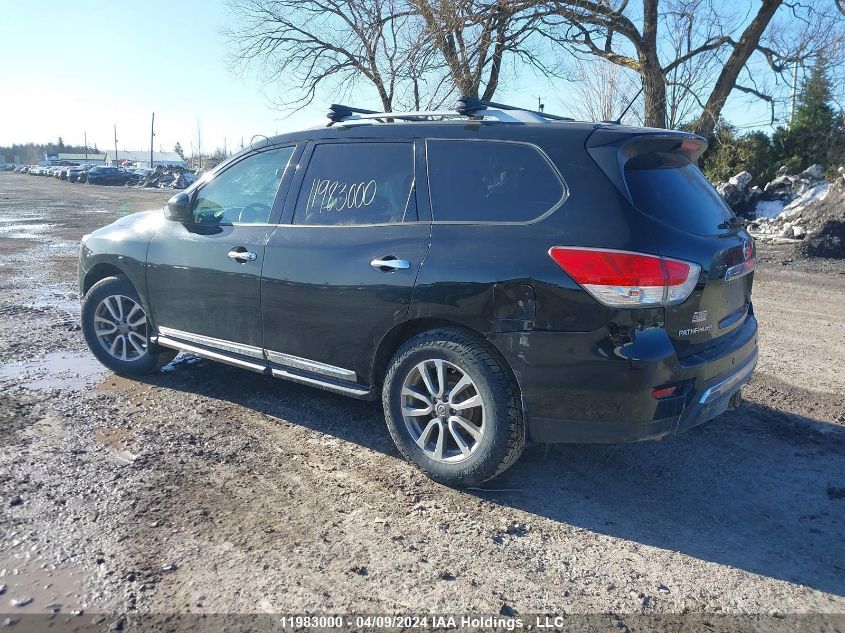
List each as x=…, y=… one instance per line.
x=621, y=279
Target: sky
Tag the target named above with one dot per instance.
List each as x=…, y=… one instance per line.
x=71, y=68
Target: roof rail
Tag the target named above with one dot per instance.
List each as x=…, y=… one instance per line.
x=466, y=107
x=471, y=106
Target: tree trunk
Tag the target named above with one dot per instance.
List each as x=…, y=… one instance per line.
x=654, y=94
x=654, y=82
x=730, y=72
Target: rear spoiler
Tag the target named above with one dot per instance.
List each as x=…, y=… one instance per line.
x=612, y=147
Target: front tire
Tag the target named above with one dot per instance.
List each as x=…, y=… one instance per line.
x=116, y=329
x=453, y=408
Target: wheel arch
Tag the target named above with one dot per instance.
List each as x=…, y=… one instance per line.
x=99, y=272
x=400, y=334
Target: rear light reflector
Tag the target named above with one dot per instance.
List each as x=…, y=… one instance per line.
x=622, y=279
x=664, y=392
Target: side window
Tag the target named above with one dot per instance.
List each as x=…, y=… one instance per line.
x=490, y=181
x=358, y=183
x=243, y=193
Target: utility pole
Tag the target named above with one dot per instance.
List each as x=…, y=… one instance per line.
x=86, y=146
x=152, y=135
x=540, y=105
x=224, y=147
x=116, y=162
x=199, y=142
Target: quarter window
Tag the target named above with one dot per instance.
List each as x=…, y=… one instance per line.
x=358, y=183
x=490, y=181
x=243, y=193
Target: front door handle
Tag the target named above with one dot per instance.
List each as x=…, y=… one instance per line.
x=390, y=263
x=242, y=255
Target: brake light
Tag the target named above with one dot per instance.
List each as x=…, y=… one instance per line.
x=621, y=279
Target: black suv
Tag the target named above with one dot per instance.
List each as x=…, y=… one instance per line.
x=102, y=175
x=495, y=275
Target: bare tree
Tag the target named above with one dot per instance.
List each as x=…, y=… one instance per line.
x=475, y=37
x=686, y=24
x=702, y=58
x=308, y=45
x=600, y=91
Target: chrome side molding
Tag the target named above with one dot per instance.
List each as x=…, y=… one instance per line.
x=217, y=343
x=310, y=365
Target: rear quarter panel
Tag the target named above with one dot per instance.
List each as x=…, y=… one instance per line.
x=467, y=261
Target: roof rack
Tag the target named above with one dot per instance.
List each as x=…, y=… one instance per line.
x=338, y=112
x=467, y=107
x=473, y=106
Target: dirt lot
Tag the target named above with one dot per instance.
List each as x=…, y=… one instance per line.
x=209, y=489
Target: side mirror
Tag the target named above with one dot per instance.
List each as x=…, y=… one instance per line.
x=178, y=208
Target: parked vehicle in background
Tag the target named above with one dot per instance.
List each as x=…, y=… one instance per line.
x=102, y=175
x=73, y=172
x=582, y=282
x=63, y=172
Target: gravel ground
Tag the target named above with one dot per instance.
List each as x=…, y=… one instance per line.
x=207, y=489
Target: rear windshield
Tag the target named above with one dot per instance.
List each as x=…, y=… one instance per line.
x=670, y=188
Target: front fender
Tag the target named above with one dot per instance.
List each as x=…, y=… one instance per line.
x=119, y=247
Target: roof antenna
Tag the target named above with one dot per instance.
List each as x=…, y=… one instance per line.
x=618, y=121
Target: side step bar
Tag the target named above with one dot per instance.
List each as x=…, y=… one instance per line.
x=292, y=374
x=209, y=354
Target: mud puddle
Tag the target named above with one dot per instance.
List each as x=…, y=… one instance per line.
x=55, y=371
x=35, y=584
x=24, y=231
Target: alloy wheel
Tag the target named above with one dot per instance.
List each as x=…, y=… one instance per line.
x=443, y=410
x=120, y=324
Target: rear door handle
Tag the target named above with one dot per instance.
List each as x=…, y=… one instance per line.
x=240, y=254
x=389, y=263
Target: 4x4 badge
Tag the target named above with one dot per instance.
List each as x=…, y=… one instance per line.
x=698, y=317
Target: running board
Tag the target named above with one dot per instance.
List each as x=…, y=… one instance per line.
x=287, y=373
x=209, y=354
x=353, y=390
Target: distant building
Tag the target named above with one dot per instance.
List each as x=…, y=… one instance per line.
x=92, y=158
x=142, y=159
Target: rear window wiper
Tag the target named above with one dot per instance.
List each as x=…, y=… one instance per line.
x=733, y=222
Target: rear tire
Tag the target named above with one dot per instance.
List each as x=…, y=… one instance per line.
x=116, y=328
x=453, y=408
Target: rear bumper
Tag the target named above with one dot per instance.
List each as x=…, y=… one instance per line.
x=576, y=389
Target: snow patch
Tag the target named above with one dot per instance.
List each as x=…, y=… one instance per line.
x=771, y=209
x=813, y=194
